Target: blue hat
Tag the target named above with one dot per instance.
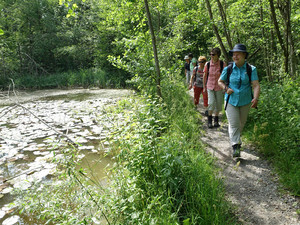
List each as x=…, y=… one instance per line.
x=239, y=48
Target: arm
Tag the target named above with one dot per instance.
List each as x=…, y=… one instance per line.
x=192, y=78
x=222, y=84
x=205, y=78
x=256, y=92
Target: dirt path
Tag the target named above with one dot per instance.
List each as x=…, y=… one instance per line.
x=250, y=182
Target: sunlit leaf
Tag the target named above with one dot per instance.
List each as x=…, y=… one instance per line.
x=74, y=6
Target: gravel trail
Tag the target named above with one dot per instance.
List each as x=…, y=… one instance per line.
x=251, y=185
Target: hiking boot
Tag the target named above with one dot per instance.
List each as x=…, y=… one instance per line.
x=236, y=150
x=216, y=121
x=206, y=113
x=210, y=122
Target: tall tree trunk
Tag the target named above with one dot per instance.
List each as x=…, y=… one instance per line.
x=158, y=88
x=290, y=41
x=285, y=10
x=224, y=20
x=283, y=47
x=216, y=31
x=265, y=46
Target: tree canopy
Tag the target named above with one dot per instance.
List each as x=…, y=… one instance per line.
x=45, y=36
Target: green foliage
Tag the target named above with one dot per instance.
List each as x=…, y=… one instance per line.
x=163, y=175
x=275, y=129
x=177, y=30
x=39, y=39
x=83, y=78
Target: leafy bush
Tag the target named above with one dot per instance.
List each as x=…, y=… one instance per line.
x=275, y=129
x=83, y=78
x=163, y=175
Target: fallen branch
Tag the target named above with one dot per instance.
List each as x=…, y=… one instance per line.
x=8, y=108
x=56, y=131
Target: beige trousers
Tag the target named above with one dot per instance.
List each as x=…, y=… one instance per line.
x=237, y=117
x=215, y=100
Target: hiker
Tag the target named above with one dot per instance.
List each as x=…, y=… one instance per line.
x=197, y=82
x=238, y=93
x=187, y=68
x=212, y=72
x=192, y=65
x=191, y=57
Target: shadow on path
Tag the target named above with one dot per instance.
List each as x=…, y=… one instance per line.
x=250, y=183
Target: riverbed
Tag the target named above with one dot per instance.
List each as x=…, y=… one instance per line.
x=35, y=126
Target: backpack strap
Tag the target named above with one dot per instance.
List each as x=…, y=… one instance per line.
x=208, y=65
x=229, y=71
x=221, y=66
x=249, y=72
x=196, y=73
x=248, y=69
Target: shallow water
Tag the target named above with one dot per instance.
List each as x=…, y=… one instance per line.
x=29, y=137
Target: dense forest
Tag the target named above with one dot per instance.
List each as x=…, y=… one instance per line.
x=45, y=37
x=141, y=45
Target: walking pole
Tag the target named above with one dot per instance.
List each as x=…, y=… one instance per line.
x=227, y=102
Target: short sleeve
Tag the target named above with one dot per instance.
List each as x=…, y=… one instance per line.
x=254, y=75
x=223, y=76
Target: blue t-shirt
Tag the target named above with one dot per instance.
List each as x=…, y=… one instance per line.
x=239, y=83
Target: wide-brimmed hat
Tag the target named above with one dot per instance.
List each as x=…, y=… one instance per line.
x=186, y=57
x=239, y=48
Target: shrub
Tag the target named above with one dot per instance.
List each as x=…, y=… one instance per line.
x=163, y=175
x=275, y=129
x=86, y=78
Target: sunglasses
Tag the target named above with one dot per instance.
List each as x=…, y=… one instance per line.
x=201, y=61
x=212, y=54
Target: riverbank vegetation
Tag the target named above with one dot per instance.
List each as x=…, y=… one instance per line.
x=86, y=78
x=161, y=175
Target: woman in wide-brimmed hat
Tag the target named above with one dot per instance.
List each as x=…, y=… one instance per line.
x=238, y=93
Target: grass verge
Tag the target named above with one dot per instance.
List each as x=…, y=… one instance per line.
x=275, y=130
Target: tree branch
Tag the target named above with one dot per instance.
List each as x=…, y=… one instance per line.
x=216, y=31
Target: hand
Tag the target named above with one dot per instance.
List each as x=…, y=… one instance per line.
x=254, y=103
x=190, y=87
x=229, y=91
x=204, y=89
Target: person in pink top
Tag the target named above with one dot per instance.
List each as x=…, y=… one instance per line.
x=212, y=72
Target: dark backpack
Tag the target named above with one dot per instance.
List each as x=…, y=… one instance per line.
x=229, y=71
x=196, y=73
x=208, y=65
